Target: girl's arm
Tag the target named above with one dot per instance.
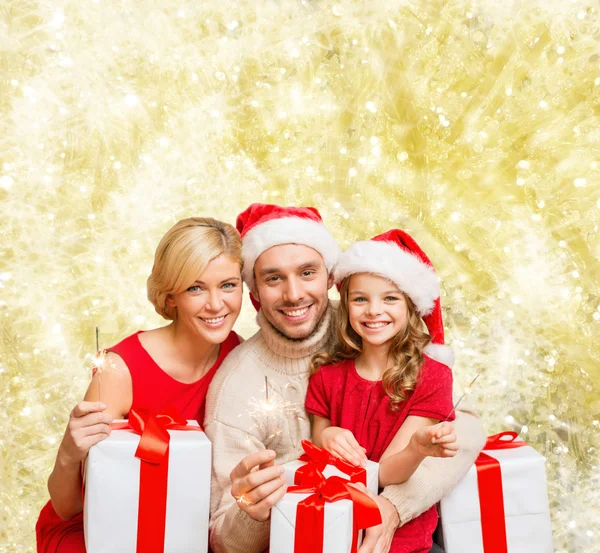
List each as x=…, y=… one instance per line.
x=417, y=438
x=336, y=440
x=88, y=424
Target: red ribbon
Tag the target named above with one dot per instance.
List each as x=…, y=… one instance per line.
x=153, y=452
x=310, y=514
x=317, y=458
x=491, y=498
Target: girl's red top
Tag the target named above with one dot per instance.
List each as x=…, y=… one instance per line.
x=338, y=393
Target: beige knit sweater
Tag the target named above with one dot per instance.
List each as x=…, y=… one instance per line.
x=237, y=426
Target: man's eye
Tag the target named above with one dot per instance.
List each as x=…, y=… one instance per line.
x=272, y=279
x=308, y=273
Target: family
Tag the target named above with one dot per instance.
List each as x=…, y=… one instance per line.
x=368, y=378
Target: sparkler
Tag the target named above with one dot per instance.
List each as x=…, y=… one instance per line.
x=98, y=359
x=466, y=393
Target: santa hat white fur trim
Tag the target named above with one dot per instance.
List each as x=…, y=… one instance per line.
x=287, y=230
x=415, y=278
x=441, y=353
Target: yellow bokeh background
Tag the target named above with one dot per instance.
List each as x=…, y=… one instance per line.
x=473, y=125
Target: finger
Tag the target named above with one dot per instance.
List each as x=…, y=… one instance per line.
x=85, y=407
x=449, y=452
x=101, y=428
x=353, y=443
x=358, y=456
x=362, y=488
x=262, y=509
x=257, y=478
x=266, y=465
x=372, y=536
x=255, y=459
x=91, y=441
x=345, y=452
x=449, y=438
x=263, y=491
x=92, y=419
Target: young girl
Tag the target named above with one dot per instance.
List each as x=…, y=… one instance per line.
x=196, y=284
x=382, y=395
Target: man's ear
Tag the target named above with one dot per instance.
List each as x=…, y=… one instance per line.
x=330, y=281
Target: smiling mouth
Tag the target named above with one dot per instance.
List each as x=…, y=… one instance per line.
x=297, y=313
x=375, y=326
x=213, y=320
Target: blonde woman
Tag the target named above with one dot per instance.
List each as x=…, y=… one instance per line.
x=196, y=284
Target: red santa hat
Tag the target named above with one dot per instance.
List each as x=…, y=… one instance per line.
x=396, y=256
x=263, y=226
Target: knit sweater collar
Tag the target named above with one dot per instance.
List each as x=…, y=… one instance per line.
x=297, y=349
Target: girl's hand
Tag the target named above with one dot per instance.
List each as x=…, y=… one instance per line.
x=88, y=425
x=342, y=443
x=438, y=440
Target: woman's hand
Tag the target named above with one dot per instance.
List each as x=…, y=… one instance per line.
x=88, y=425
x=438, y=440
x=342, y=443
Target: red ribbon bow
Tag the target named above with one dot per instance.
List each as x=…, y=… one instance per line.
x=491, y=498
x=153, y=452
x=310, y=514
x=317, y=459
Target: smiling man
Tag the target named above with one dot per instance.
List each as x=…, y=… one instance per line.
x=289, y=258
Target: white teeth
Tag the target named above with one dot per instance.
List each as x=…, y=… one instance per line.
x=375, y=325
x=296, y=313
x=214, y=321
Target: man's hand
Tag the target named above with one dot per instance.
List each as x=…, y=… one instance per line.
x=378, y=539
x=257, y=484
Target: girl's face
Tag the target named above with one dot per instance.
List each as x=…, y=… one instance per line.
x=211, y=305
x=376, y=308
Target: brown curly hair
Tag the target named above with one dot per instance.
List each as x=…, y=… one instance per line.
x=406, y=351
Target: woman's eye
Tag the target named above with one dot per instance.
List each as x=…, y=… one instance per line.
x=229, y=285
x=194, y=289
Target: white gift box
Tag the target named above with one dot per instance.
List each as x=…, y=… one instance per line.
x=338, y=515
x=112, y=485
x=526, y=509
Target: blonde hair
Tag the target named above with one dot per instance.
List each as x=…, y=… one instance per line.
x=406, y=351
x=183, y=254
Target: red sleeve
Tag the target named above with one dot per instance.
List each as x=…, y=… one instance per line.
x=433, y=393
x=317, y=398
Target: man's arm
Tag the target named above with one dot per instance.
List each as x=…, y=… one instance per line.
x=232, y=530
x=436, y=477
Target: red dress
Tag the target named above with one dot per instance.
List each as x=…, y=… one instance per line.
x=338, y=393
x=153, y=390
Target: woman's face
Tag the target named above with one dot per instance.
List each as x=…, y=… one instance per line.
x=211, y=305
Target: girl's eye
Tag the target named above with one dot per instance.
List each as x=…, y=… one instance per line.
x=360, y=299
x=391, y=298
x=194, y=289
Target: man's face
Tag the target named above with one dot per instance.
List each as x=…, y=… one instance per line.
x=291, y=283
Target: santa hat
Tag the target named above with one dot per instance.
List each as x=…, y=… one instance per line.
x=263, y=226
x=396, y=256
